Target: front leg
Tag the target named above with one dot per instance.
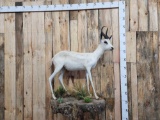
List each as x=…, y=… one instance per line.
x=90, y=77
x=87, y=83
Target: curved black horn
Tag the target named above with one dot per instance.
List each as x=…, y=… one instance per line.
x=106, y=36
x=102, y=34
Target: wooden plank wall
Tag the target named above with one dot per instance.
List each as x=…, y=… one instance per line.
x=32, y=39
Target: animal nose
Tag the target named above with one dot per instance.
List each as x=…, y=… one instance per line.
x=112, y=48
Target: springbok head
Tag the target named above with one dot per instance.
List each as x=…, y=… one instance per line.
x=106, y=41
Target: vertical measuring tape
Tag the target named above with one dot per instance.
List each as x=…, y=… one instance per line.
x=123, y=67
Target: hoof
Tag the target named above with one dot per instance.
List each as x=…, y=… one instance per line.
x=97, y=97
x=54, y=97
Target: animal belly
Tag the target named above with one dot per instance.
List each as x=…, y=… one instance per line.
x=74, y=66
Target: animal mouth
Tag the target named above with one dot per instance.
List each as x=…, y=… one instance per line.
x=112, y=49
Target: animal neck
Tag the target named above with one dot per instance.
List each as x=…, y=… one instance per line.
x=98, y=52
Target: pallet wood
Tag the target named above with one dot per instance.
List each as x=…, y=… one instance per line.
x=143, y=15
x=147, y=51
x=60, y=39
x=133, y=15
x=105, y=20
x=131, y=45
x=92, y=42
x=134, y=91
x=153, y=16
x=56, y=47
x=1, y=76
x=48, y=56
x=158, y=81
x=129, y=90
x=156, y=75
x=28, y=80
x=115, y=36
x=117, y=108
x=19, y=63
x=38, y=48
x=73, y=15
x=127, y=19
x=1, y=19
x=10, y=68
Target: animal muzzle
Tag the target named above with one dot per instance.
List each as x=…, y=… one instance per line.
x=112, y=48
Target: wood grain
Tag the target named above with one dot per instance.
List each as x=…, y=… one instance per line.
x=1, y=76
x=28, y=72
x=1, y=19
x=48, y=56
x=133, y=15
x=38, y=49
x=130, y=46
x=10, y=67
x=19, y=63
x=153, y=16
x=143, y=15
x=147, y=54
x=92, y=42
x=134, y=91
x=117, y=93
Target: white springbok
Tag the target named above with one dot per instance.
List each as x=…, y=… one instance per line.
x=73, y=61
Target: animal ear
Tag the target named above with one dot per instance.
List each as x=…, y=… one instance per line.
x=110, y=37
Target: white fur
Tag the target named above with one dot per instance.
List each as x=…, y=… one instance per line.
x=73, y=61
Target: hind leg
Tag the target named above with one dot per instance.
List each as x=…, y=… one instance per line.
x=61, y=78
x=57, y=69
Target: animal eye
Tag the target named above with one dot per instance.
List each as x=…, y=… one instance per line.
x=105, y=42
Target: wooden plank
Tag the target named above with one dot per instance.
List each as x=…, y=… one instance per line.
x=130, y=46
x=115, y=34
x=19, y=63
x=133, y=15
x=28, y=80
x=107, y=88
x=140, y=76
x=56, y=47
x=127, y=15
x=147, y=71
x=48, y=56
x=106, y=16
x=143, y=15
x=157, y=83
x=73, y=15
x=60, y=39
x=1, y=19
x=156, y=76
x=82, y=31
x=134, y=91
x=105, y=19
x=93, y=41
x=10, y=66
x=117, y=109
x=129, y=90
x=153, y=16
x=1, y=76
x=38, y=48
